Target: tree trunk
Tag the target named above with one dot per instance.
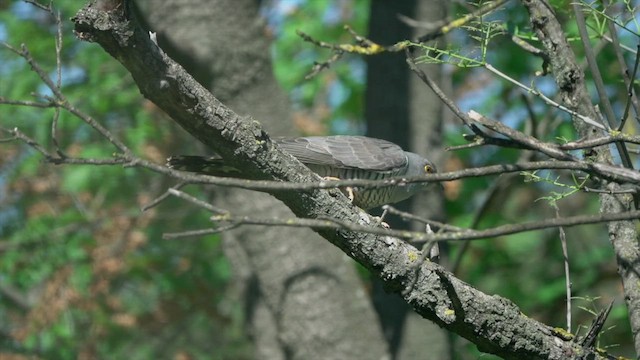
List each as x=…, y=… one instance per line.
x=303, y=297
x=400, y=108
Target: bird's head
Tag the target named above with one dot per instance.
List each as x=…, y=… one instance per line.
x=417, y=166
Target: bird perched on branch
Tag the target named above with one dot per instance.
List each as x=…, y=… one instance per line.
x=337, y=157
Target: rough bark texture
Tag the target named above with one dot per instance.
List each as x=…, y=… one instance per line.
x=400, y=108
x=493, y=323
x=570, y=80
x=303, y=297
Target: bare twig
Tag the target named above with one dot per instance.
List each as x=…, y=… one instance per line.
x=457, y=23
x=599, y=83
x=529, y=141
x=221, y=213
x=40, y=6
x=61, y=101
x=19, y=135
x=565, y=258
x=58, y=84
x=198, y=233
x=27, y=103
x=544, y=98
x=632, y=98
x=436, y=89
x=409, y=216
x=631, y=95
x=329, y=223
x=611, y=172
x=162, y=197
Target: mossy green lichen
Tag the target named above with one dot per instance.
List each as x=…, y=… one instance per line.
x=413, y=256
x=563, y=334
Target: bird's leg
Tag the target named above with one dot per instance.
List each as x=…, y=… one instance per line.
x=348, y=191
x=380, y=218
x=432, y=246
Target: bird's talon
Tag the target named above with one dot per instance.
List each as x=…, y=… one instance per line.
x=348, y=191
x=378, y=222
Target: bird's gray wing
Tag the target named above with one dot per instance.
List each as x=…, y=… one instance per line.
x=346, y=152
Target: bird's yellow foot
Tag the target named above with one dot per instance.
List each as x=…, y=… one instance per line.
x=348, y=191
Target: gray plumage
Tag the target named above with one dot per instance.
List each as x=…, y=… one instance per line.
x=340, y=156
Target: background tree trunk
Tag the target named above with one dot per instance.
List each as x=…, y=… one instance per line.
x=303, y=297
x=400, y=108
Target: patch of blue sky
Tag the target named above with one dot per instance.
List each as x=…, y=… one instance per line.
x=297, y=96
x=306, y=56
x=25, y=11
x=337, y=94
x=9, y=215
x=358, y=68
x=275, y=12
x=4, y=35
x=70, y=75
x=514, y=116
x=345, y=126
x=332, y=14
x=478, y=98
x=9, y=65
x=545, y=85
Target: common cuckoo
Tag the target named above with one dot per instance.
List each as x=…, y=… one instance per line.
x=341, y=157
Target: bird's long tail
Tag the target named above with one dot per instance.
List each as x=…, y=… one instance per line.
x=210, y=165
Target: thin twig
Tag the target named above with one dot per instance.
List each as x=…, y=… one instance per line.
x=409, y=216
x=443, y=97
x=203, y=204
x=457, y=23
x=631, y=95
x=197, y=233
x=19, y=135
x=565, y=258
x=607, y=171
x=60, y=100
x=330, y=223
x=34, y=104
x=162, y=197
x=609, y=117
x=56, y=115
x=529, y=141
x=544, y=97
x=38, y=5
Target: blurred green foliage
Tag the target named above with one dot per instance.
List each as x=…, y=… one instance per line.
x=332, y=100
x=90, y=272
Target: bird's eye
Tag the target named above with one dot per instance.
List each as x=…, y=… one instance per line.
x=428, y=169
